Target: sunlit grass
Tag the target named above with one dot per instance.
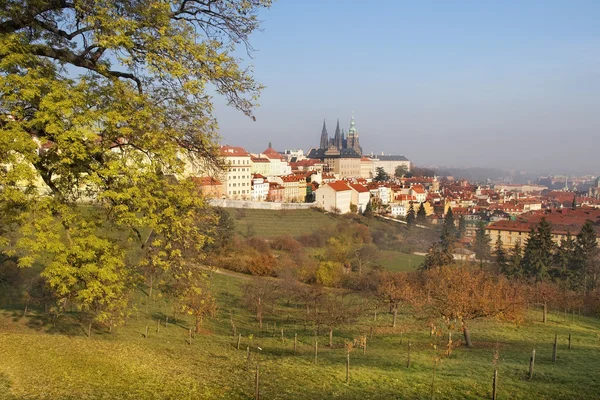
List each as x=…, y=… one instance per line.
x=41, y=362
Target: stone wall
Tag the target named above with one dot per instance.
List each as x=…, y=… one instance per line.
x=260, y=205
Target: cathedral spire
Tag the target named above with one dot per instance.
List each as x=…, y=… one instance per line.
x=324, y=137
x=337, y=138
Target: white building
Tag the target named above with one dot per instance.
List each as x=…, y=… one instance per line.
x=334, y=196
x=360, y=196
x=398, y=210
x=260, y=189
x=389, y=163
x=236, y=179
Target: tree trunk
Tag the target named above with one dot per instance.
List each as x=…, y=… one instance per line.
x=467, y=335
x=331, y=336
x=151, y=285
x=198, y=324
x=90, y=329
x=395, y=315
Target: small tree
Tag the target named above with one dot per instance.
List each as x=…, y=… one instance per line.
x=196, y=300
x=396, y=289
x=410, y=216
x=258, y=293
x=463, y=294
x=366, y=255
x=421, y=215
x=462, y=226
x=482, y=244
x=500, y=255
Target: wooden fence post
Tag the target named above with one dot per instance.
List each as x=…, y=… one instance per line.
x=295, y=342
x=347, y=366
x=239, y=339
x=495, y=385
x=569, y=340
x=316, y=349
x=554, y=347
x=531, y=364
x=408, y=358
x=256, y=391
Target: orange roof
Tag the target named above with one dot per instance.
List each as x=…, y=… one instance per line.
x=272, y=153
x=338, y=186
x=231, y=151
x=359, y=188
x=418, y=189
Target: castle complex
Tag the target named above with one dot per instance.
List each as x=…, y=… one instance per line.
x=339, y=140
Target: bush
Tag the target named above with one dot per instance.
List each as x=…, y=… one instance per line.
x=286, y=243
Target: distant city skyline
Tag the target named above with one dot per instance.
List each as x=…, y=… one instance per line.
x=511, y=85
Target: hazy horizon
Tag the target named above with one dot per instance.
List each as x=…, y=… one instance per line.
x=511, y=85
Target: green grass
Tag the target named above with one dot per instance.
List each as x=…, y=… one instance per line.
x=398, y=261
x=43, y=362
x=268, y=223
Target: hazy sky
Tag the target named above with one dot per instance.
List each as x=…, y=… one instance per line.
x=511, y=84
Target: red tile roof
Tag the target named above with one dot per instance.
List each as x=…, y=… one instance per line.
x=359, y=188
x=232, y=151
x=338, y=186
x=273, y=154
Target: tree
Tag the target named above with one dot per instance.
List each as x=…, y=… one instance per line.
x=538, y=254
x=335, y=312
x=381, y=175
x=421, y=215
x=105, y=103
x=365, y=255
x=449, y=232
x=587, y=257
x=258, y=293
x=566, y=260
x=462, y=226
x=500, y=255
x=368, y=210
x=396, y=289
x=400, y=171
x=458, y=293
x=223, y=231
x=482, y=244
x=514, y=268
x=194, y=296
x=410, y=216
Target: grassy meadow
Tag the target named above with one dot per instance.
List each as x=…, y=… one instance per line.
x=42, y=360
x=268, y=223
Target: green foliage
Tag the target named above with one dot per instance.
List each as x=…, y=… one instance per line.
x=329, y=273
x=501, y=256
x=587, y=257
x=381, y=175
x=462, y=226
x=421, y=215
x=115, y=137
x=401, y=170
x=539, y=250
x=410, y=216
x=482, y=242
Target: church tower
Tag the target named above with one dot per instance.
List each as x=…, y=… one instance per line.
x=352, y=140
x=324, y=137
